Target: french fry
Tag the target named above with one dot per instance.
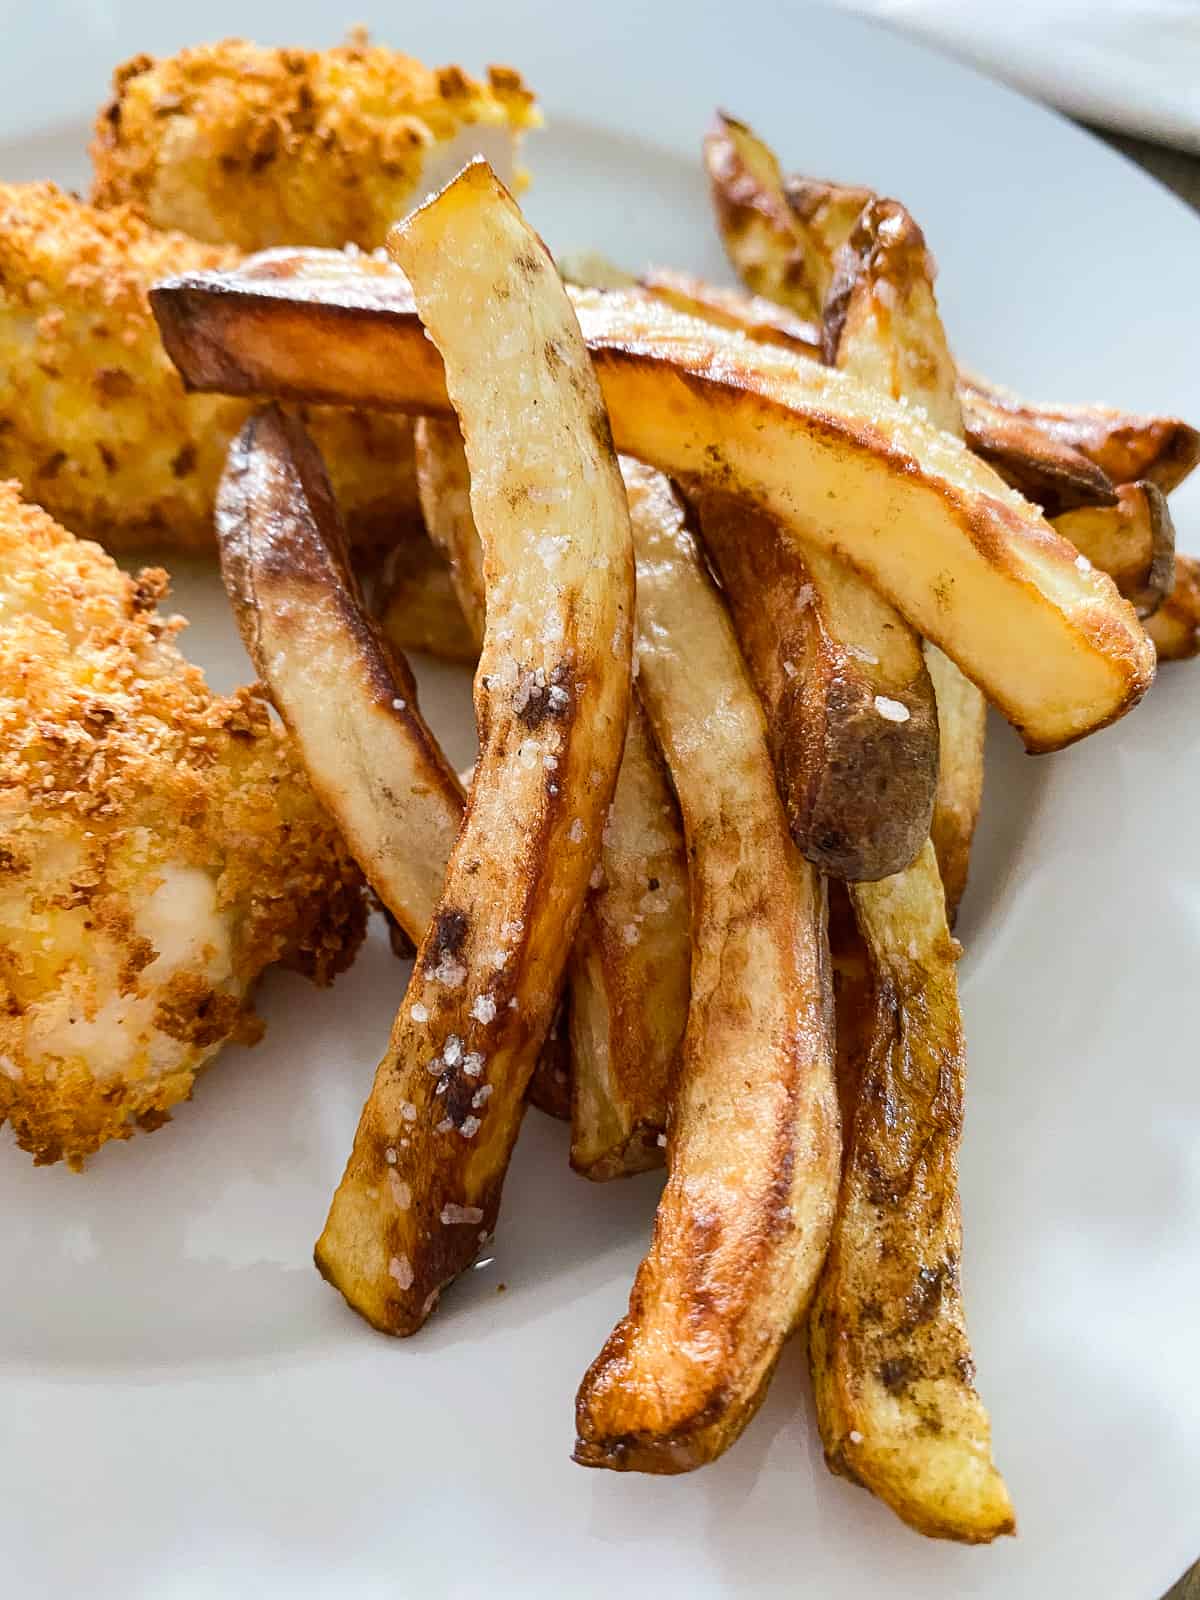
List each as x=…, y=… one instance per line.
x=781, y=236
x=1174, y=629
x=753, y=1143
x=897, y=1237
x=850, y=708
x=422, y=1186
x=1120, y=446
x=629, y=972
x=752, y=315
x=892, y=1370
x=882, y=324
x=1133, y=541
x=349, y=701
x=967, y=562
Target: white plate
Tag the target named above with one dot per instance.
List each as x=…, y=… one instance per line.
x=188, y=1411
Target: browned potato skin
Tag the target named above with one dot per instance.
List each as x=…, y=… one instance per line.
x=892, y=1370
x=695, y=400
x=774, y=255
x=1174, y=628
x=629, y=972
x=349, y=702
x=423, y=1183
x=1120, y=446
x=858, y=788
x=753, y=1151
x=1133, y=541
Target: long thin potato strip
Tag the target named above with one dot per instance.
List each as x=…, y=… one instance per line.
x=630, y=965
x=968, y=562
x=422, y=1187
x=753, y=1156
x=882, y=325
x=891, y=1361
x=348, y=700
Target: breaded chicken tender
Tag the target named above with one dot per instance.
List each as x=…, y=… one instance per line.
x=159, y=846
x=94, y=420
x=238, y=144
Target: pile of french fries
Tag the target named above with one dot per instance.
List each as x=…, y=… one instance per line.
x=730, y=695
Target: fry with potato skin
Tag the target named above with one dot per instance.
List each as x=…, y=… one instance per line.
x=1133, y=541
x=781, y=235
x=753, y=1148
x=1119, y=446
x=892, y=1370
x=825, y=653
x=963, y=559
x=349, y=702
x=1174, y=629
x=629, y=971
x=422, y=1186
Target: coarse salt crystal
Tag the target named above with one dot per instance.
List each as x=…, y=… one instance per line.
x=389, y=1155
x=804, y=596
x=408, y=1111
x=470, y=1127
x=789, y=668
x=577, y=831
x=859, y=654
x=452, y=1053
x=400, y=1268
x=472, y=1063
x=444, y=1126
x=631, y=933
x=891, y=710
x=855, y=1436
x=452, y=1214
x=401, y=1193
x=399, y=705
x=419, y=1013
x=558, y=697
x=449, y=972
x=484, y=1008
x=482, y=1095
x=661, y=1141
x=1082, y=562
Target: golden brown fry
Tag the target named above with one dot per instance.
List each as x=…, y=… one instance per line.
x=349, y=702
x=767, y=242
x=94, y=421
x=750, y=314
x=891, y=1361
x=882, y=324
x=753, y=1146
x=422, y=1186
x=962, y=724
x=781, y=236
x=241, y=144
x=1133, y=541
x=629, y=973
x=1119, y=446
x=159, y=847
x=1174, y=628
x=849, y=703
x=444, y=487
x=967, y=562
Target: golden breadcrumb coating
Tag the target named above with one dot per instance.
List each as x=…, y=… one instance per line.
x=94, y=420
x=237, y=143
x=159, y=846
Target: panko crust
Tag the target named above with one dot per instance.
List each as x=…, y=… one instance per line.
x=257, y=146
x=124, y=778
x=94, y=419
